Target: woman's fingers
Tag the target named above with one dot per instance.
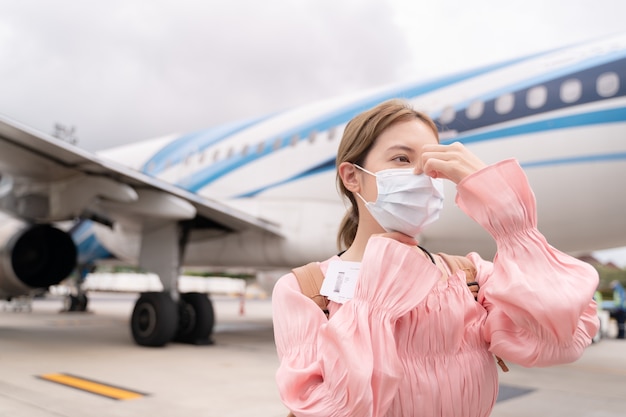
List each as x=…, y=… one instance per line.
x=453, y=162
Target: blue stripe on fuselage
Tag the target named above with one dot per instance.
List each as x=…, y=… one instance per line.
x=620, y=156
x=579, y=120
x=575, y=120
x=326, y=166
x=176, y=151
x=202, y=178
x=461, y=123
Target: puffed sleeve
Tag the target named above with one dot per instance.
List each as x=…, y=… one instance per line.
x=539, y=300
x=348, y=365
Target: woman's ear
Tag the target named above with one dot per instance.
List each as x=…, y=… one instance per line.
x=349, y=178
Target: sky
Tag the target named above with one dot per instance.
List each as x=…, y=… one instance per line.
x=122, y=71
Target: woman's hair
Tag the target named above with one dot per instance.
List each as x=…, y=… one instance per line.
x=358, y=138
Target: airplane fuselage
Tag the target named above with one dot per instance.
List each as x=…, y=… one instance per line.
x=561, y=114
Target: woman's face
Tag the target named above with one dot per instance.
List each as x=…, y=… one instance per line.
x=399, y=146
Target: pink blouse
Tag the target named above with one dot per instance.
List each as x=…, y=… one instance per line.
x=412, y=344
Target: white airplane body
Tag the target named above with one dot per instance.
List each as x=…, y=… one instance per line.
x=262, y=193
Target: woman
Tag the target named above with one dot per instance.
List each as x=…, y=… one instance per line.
x=413, y=341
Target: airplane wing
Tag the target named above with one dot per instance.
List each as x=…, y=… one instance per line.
x=44, y=179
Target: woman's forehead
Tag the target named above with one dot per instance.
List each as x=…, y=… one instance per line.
x=407, y=136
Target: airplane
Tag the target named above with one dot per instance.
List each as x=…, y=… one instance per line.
x=260, y=193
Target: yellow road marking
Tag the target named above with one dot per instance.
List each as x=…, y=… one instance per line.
x=94, y=387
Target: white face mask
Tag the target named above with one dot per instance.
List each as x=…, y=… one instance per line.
x=406, y=202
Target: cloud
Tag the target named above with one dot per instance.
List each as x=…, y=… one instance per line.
x=127, y=70
x=448, y=35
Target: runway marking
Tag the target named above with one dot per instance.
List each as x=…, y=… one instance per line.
x=94, y=387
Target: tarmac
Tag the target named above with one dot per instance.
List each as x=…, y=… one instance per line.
x=40, y=348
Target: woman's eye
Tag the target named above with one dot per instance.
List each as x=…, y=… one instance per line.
x=402, y=158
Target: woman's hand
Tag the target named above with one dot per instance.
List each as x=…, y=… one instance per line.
x=453, y=162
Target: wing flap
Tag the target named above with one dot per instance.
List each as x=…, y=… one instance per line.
x=75, y=182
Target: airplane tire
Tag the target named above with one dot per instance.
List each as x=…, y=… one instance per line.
x=76, y=302
x=154, y=320
x=196, y=319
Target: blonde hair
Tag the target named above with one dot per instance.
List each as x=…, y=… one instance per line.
x=358, y=138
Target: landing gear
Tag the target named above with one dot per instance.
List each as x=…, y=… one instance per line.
x=157, y=319
x=76, y=302
x=154, y=320
x=196, y=319
x=169, y=315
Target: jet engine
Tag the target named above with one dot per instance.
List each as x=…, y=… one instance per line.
x=33, y=256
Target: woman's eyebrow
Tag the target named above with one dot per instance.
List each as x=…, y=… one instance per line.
x=400, y=148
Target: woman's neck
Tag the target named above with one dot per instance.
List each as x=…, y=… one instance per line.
x=355, y=252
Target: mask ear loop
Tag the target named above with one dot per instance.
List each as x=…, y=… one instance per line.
x=364, y=170
x=368, y=172
x=362, y=199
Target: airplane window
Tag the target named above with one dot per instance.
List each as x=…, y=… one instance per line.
x=201, y=157
x=475, y=110
x=536, y=97
x=607, y=84
x=216, y=155
x=504, y=104
x=244, y=151
x=312, y=136
x=230, y=152
x=571, y=91
x=332, y=132
x=447, y=115
x=260, y=147
x=277, y=143
x=294, y=140
x=189, y=158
